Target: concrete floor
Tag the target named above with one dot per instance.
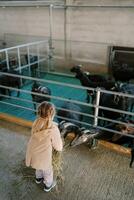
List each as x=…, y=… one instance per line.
x=89, y=174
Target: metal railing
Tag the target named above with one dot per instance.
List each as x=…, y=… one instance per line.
x=93, y=115
x=59, y=4
x=26, y=49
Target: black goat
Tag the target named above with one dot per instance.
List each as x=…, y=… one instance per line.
x=93, y=133
x=112, y=101
x=132, y=157
x=12, y=64
x=85, y=136
x=10, y=81
x=70, y=115
x=3, y=66
x=106, y=100
x=127, y=88
x=96, y=77
x=67, y=127
x=37, y=88
x=85, y=81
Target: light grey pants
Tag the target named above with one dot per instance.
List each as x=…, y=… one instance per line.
x=47, y=175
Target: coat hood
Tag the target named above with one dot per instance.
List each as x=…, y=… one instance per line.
x=39, y=130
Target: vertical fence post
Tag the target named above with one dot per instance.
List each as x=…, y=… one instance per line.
x=48, y=62
x=51, y=37
x=7, y=59
x=28, y=60
x=38, y=58
x=51, y=24
x=97, y=107
x=65, y=29
x=19, y=62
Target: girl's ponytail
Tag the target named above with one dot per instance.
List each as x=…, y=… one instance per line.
x=46, y=110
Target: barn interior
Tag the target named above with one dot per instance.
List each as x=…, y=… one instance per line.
x=42, y=43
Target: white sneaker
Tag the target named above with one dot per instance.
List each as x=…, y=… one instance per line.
x=47, y=189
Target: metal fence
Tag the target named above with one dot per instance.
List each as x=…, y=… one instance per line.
x=43, y=54
x=94, y=114
x=18, y=54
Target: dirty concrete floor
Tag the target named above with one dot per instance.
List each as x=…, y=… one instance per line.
x=89, y=174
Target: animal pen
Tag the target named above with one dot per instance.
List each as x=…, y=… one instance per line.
x=34, y=62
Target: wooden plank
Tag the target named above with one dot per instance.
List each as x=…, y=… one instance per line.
x=22, y=122
x=15, y=120
x=115, y=147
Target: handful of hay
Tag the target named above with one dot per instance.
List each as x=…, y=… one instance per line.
x=57, y=163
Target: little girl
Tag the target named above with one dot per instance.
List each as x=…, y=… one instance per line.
x=45, y=136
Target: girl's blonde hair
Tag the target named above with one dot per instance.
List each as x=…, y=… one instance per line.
x=46, y=110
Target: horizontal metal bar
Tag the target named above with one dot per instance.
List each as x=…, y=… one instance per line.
x=57, y=73
x=24, y=45
x=73, y=120
x=84, y=123
x=73, y=111
x=33, y=63
x=85, y=42
x=69, y=85
x=60, y=98
x=99, y=127
x=16, y=98
x=29, y=3
x=99, y=6
x=116, y=110
x=71, y=100
x=15, y=105
x=76, y=112
x=116, y=93
x=113, y=131
x=58, y=108
x=124, y=51
x=68, y=100
x=125, y=112
x=53, y=97
x=48, y=81
x=115, y=121
x=56, y=5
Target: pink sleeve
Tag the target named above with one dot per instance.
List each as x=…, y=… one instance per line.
x=56, y=140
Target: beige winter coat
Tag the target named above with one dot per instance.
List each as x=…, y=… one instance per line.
x=39, y=149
